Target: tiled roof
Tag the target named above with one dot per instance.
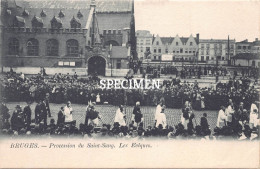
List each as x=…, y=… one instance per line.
x=184, y=40
x=167, y=40
x=50, y=13
x=101, y=5
x=119, y=52
x=112, y=21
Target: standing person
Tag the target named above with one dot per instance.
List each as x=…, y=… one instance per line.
x=185, y=114
x=68, y=112
x=230, y=111
x=61, y=117
x=43, y=115
x=98, y=101
x=158, y=110
x=47, y=99
x=38, y=112
x=27, y=111
x=138, y=118
x=253, y=117
x=136, y=108
x=4, y=114
x=202, y=103
x=75, y=75
x=161, y=118
x=120, y=116
x=17, y=119
x=222, y=117
x=92, y=116
x=204, y=125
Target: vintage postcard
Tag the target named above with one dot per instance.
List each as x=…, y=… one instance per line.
x=129, y=84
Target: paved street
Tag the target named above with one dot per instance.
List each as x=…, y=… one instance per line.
x=108, y=114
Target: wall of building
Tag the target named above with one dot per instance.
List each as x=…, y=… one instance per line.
x=176, y=47
x=243, y=62
x=49, y=70
x=210, y=49
x=248, y=47
x=116, y=72
x=42, y=60
x=144, y=41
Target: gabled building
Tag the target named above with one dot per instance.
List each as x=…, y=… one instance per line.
x=181, y=48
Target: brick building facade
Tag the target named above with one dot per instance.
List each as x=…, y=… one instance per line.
x=67, y=34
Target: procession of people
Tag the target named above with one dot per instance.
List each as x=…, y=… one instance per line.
x=237, y=102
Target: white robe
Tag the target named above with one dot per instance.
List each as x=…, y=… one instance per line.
x=161, y=119
x=221, y=118
x=157, y=111
x=229, y=111
x=120, y=118
x=68, y=115
x=253, y=117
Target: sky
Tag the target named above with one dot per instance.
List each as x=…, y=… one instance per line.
x=211, y=19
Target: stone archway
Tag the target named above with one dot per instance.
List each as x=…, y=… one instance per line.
x=97, y=64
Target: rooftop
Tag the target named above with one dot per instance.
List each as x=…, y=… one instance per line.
x=50, y=13
x=101, y=5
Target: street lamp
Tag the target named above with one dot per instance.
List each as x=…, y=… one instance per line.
x=217, y=68
x=111, y=66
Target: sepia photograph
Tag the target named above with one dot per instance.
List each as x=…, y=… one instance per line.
x=150, y=83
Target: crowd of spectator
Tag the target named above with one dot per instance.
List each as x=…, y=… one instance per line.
x=191, y=71
x=18, y=88
x=174, y=94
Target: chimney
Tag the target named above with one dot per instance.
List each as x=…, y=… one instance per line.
x=198, y=37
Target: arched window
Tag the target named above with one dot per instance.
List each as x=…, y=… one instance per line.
x=32, y=47
x=52, y=47
x=13, y=46
x=72, y=47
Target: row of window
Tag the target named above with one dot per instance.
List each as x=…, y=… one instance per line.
x=177, y=59
x=177, y=43
x=207, y=58
x=147, y=43
x=243, y=47
x=111, y=32
x=177, y=51
x=215, y=52
x=52, y=47
x=216, y=45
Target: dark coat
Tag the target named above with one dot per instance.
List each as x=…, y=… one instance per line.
x=27, y=115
